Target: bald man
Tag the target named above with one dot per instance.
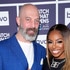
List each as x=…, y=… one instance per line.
x=21, y=52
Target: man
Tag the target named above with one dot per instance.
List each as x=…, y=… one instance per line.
x=21, y=52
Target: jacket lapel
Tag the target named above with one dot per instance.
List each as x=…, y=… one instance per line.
x=35, y=56
x=15, y=47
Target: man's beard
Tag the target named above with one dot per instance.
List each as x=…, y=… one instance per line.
x=29, y=37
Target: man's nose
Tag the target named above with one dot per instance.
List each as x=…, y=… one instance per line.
x=32, y=23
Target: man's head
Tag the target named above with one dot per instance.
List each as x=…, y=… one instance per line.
x=28, y=21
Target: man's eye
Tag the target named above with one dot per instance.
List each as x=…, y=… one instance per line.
x=28, y=19
x=37, y=21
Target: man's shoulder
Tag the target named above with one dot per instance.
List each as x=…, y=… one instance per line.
x=39, y=46
x=6, y=44
x=40, y=50
x=35, y=43
x=6, y=41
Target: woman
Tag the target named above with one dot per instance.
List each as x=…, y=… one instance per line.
x=58, y=48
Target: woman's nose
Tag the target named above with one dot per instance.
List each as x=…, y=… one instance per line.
x=54, y=45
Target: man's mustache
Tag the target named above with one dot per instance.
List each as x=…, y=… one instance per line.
x=32, y=29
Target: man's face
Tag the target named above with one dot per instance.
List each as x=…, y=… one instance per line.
x=29, y=23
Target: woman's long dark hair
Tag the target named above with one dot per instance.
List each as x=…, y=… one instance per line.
x=65, y=32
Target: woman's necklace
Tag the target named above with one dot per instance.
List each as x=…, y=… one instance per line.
x=56, y=64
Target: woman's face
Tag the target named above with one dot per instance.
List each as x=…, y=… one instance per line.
x=55, y=44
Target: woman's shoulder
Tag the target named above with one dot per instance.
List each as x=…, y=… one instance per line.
x=45, y=65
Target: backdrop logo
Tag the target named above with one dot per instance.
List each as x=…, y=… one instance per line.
x=67, y=16
x=44, y=19
x=4, y=18
x=4, y=36
x=41, y=39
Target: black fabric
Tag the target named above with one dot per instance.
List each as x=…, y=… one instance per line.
x=60, y=65
x=46, y=67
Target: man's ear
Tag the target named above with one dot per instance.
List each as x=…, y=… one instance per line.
x=18, y=21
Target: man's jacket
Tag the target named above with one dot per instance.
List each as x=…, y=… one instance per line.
x=13, y=58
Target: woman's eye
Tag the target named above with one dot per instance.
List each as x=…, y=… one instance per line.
x=49, y=42
x=59, y=41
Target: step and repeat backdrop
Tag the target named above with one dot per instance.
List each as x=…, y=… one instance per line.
x=51, y=12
